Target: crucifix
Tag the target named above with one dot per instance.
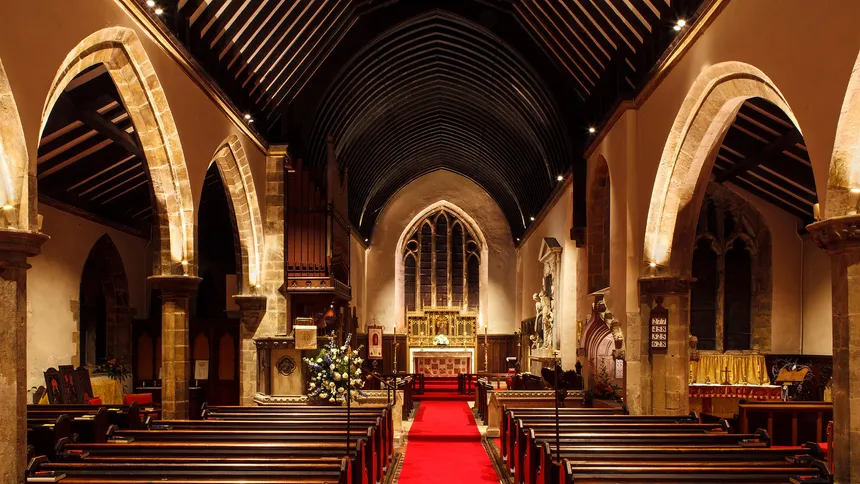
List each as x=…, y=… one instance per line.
x=725, y=376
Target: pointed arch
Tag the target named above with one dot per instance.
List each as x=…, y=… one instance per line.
x=238, y=182
x=417, y=223
x=845, y=161
x=597, y=236
x=120, y=51
x=707, y=112
x=15, y=193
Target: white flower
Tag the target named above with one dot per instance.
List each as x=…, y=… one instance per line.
x=331, y=399
x=340, y=390
x=331, y=384
x=331, y=366
x=336, y=377
x=343, y=348
x=319, y=360
x=323, y=395
x=312, y=385
x=345, y=375
x=353, y=392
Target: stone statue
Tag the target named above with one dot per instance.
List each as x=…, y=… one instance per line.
x=548, y=320
x=538, y=319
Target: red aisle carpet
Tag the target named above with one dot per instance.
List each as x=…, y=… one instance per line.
x=445, y=447
x=441, y=388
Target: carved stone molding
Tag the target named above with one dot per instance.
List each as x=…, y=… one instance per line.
x=665, y=285
x=252, y=308
x=178, y=286
x=263, y=400
x=17, y=245
x=838, y=234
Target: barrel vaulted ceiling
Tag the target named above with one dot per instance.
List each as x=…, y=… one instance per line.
x=500, y=91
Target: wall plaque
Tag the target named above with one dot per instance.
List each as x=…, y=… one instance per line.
x=374, y=342
x=659, y=324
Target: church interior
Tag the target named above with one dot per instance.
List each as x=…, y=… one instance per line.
x=435, y=241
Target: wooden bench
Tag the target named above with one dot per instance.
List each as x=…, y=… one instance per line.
x=43, y=434
x=158, y=469
x=123, y=416
x=582, y=456
x=790, y=423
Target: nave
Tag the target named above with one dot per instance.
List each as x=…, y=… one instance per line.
x=292, y=241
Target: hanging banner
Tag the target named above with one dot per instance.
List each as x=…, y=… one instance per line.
x=374, y=342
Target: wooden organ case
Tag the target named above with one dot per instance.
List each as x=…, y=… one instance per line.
x=316, y=247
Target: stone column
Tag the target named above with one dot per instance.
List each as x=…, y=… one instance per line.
x=175, y=352
x=670, y=368
x=251, y=311
x=15, y=248
x=840, y=237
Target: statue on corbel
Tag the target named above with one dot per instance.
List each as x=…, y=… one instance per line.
x=544, y=320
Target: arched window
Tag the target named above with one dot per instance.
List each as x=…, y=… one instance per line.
x=441, y=263
x=731, y=265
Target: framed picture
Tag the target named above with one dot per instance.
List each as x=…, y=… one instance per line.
x=83, y=385
x=374, y=342
x=70, y=393
x=54, y=385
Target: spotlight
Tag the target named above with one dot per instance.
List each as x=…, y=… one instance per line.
x=679, y=25
x=8, y=207
x=592, y=130
x=853, y=190
x=159, y=11
x=532, y=219
x=258, y=286
x=150, y=3
x=247, y=116
x=518, y=239
x=184, y=262
x=560, y=178
x=652, y=265
x=366, y=240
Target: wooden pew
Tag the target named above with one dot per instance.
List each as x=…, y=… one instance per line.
x=44, y=434
x=194, y=454
x=526, y=456
x=749, y=474
x=301, y=470
x=791, y=423
x=583, y=456
x=365, y=435
x=123, y=416
x=86, y=427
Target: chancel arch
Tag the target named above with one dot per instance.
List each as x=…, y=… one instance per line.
x=14, y=163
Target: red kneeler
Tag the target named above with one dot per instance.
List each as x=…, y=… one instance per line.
x=143, y=400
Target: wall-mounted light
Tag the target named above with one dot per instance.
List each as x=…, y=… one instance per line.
x=532, y=219
x=853, y=190
x=518, y=239
x=184, y=262
x=158, y=11
x=366, y=240
x=652, y=265
x=560, y=178
x=592, y=129
x=150, y=3
x=679, y=24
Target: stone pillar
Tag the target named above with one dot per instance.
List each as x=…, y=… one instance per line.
x=251, y=311
x=670, y=368
x=15, y=248
x=840, y=237
x=175, y=352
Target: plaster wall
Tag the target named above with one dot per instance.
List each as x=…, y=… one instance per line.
x=53, y=287
x=383, y=307
x=817, y=331
x=357, y=278
x=35, y=38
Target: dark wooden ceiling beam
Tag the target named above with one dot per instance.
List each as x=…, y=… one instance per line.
x=773, y=148
x=95, y=121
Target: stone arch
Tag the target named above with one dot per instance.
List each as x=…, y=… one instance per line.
x=105, y=269
x=845, y=161
x=483, y=269
x=688, y=157
x=15, y=177
x=245, y=212
x=597, y=240
x=122, y=54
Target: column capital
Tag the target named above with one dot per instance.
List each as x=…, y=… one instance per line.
x=17, y=245
x=176, y=286
x=837, y=234
x=252, y=307
x=665, y=285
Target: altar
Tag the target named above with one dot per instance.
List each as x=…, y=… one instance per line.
x=441, y=361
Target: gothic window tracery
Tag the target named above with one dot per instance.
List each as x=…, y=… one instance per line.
x=441, y=260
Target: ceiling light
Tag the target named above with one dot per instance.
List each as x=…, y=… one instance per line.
x=518, y=239
x=853, y=190
x=677, y=28
x=247, y=116
x=681, y=23
x=532, y=219
x=592, y=130
x=159, y=11
x=366, y=240
x=150, y=3
x=560, y=178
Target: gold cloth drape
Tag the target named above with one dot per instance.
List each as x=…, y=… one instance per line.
x=110, y=391
x=738, y=369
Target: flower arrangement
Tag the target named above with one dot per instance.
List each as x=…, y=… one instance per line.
x=603, y=388
x=115, y=368
x=333, y=371
x=440, y=340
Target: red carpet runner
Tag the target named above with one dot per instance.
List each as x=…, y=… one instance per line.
x=445, y=447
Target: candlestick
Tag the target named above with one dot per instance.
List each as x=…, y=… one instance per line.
x=486, y=352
